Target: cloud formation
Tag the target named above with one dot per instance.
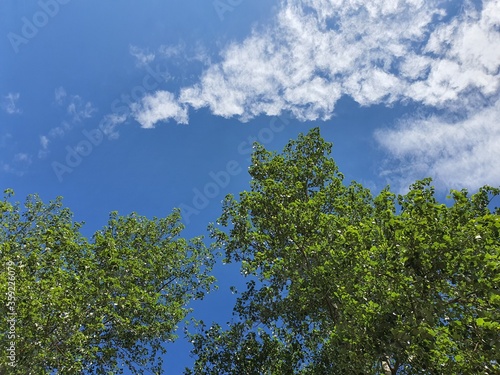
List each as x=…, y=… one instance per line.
x=457, y=153
x=18, y=165
x=439, y=54
x=77, y=110
x=159, y=106
x=76, y=107
x=59, y=95
x=80, y=109
x=320, y=50
x=9, y=103
x=142, y=57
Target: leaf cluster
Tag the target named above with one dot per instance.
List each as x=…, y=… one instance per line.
x=342, y=281
x=96, y=305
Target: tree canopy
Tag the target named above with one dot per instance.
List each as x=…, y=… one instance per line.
x=341, y=281
x=96, y=305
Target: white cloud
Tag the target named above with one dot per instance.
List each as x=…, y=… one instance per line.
x=76, y=106
x=22, y=158
x=79, y=109
x=18, y=165
x=160, y=106
x=376, y=52
x=58, y=131
x=304, y=64
x=8, y=168
x=170, y=51
x=44, y=147
x=181, y=53
x=59, y=95
x=381, y=52
x=142, y=57
x=44, y=142
x=9, y=103
x=463, y=153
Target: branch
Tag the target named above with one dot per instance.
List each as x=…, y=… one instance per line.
x=385, y=366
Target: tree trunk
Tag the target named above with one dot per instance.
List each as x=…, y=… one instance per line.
x=386, y=367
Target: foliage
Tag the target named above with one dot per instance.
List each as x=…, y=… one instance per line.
x=94, y=306
x=344, y=282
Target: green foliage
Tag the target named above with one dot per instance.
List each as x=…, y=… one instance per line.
x=94, y=305
x=344, y=282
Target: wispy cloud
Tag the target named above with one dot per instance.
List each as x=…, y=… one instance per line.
x=439, y=54
x=9, y=103
x=457, y=153
x=80, y=109
x=23, y=157
x=18, y=165
x=183, y=53
x=77, y=110
x=171, y=51
x=142, y=57
x=59, y=131
x=59, y=95
x=44, y=147
x=44, y=142
x=160, y=106
x=9, y=168
x=382, y=52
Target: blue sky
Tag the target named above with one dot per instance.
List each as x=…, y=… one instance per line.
x=146, y=106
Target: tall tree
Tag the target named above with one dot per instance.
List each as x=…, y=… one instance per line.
x=74, y=305
x=344, y=282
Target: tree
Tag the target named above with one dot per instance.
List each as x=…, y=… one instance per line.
x=344, y=282
x=93, y=306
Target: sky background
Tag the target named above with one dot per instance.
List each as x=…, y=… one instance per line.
x=143, y=106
